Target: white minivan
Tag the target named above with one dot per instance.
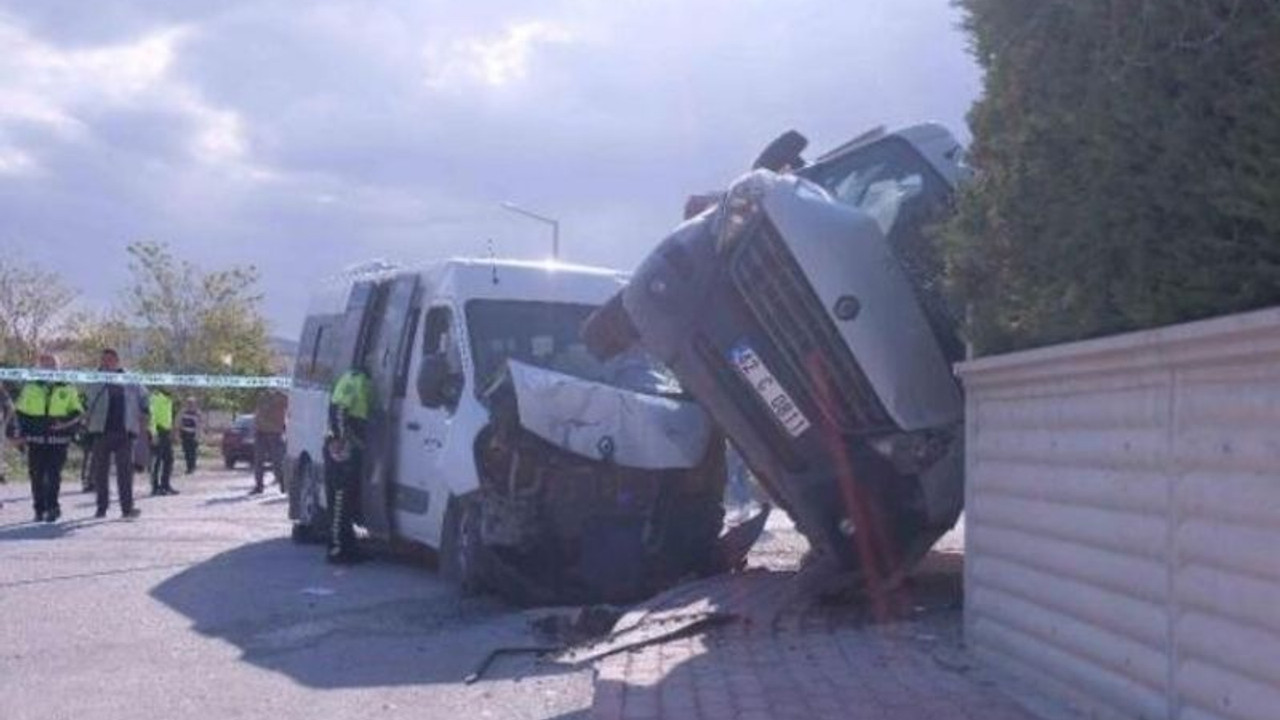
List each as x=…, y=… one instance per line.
x=499, y=442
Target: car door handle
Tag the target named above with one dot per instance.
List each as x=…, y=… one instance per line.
x=413, y=426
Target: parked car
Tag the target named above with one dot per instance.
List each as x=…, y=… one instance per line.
x=237, y=442
x=802, y=309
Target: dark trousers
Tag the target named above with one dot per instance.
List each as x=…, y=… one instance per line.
x=342, y=491
x=189, y=447
x=117, y=448
x=268, y=449
x=86, y=455
x=44, y=467
x=162, y=460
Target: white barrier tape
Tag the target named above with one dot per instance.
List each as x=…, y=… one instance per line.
x=85, y=377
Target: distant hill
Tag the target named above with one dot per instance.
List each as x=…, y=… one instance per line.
x=283, y=351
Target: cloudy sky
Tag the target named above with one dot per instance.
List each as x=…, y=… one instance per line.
x=304, y=136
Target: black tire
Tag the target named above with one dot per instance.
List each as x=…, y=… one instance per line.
x=460, y=556
x=312, y=525
x=229, y=463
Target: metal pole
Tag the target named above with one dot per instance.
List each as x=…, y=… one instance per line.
x=555, y=225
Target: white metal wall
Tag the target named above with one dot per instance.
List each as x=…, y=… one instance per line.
x=1123, y=519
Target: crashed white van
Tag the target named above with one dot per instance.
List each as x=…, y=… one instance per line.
x=499, y=442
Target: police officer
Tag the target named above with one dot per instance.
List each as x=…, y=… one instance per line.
x=161, y=442
x=47, y=415
x=349, y=409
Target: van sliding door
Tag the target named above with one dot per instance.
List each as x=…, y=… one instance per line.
x=388, y=342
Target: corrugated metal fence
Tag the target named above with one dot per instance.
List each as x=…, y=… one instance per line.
x=1123, y=519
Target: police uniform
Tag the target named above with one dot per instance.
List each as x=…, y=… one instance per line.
x=47, y=413
x=349, y=409
x=161, y=406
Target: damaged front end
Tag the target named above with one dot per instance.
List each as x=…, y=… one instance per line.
x=594, y=493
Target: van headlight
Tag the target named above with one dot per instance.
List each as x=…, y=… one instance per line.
x=740, y=210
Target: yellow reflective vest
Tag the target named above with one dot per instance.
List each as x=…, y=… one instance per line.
x=161, y=410
x=40, y=400
x=352, y=394
x=42, y=405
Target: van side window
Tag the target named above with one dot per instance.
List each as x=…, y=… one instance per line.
x=305, y=361
x=315, y=349
x=440, y=379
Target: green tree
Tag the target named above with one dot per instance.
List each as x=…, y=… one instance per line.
x=197, y=321
x=34, y=305
x=87, y=333
x=1127, y=161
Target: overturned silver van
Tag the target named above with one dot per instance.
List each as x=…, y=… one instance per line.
x=802, y=309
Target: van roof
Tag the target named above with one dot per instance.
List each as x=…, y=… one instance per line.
x=475, y=277
x=379, y=268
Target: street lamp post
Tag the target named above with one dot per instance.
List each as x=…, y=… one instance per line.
x=555, y=225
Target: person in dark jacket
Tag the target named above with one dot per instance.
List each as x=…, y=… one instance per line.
x=117, y=415
x=48, y=413
x=189, y=432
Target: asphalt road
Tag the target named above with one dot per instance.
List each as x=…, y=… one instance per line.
x=203, y=608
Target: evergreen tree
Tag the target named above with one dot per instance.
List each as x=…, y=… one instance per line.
x=1127, y=158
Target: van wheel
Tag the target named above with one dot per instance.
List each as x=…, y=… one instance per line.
x=311, y=527
x=460, y=555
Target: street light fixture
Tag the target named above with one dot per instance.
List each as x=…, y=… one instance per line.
x=555, y=225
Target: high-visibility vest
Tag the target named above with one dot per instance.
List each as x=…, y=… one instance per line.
x=352, y=394
x=161, y=412
x=40, y=400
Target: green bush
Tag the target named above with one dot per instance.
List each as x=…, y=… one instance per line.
x=1127, y=158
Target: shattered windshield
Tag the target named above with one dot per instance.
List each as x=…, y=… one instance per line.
x=548, y=335
x=889, y=181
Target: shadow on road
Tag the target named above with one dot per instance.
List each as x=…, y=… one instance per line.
x=381, y=623
x=31, y=530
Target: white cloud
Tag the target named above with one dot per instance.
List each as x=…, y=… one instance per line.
x=55, y=88
x=492, y=61
x=15, y=162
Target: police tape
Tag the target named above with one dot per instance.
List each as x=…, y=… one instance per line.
x=87, y=377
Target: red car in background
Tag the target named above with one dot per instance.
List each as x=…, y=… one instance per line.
x=237, y=442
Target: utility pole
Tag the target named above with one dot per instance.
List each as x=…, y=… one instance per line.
x=554, y=223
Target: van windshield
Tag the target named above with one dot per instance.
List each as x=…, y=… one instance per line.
x=891, y=182
x=548, y=335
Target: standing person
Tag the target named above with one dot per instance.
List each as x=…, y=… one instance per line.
x=117, y=415
x=47, y=415
x=6, y=416
x=349, y=409
x=161, y=406
x=189, y=432
x=269, y=419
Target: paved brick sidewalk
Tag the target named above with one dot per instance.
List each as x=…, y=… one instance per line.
x=782, y=661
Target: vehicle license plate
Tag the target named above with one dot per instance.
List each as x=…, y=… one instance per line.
x=761, y=379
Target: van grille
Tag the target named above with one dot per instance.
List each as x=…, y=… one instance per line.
x=791, y=314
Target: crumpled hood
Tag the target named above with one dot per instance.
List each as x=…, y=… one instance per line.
x=600, y=421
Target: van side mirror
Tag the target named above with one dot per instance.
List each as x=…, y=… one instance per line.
x=782, y=153
x=438, y=385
